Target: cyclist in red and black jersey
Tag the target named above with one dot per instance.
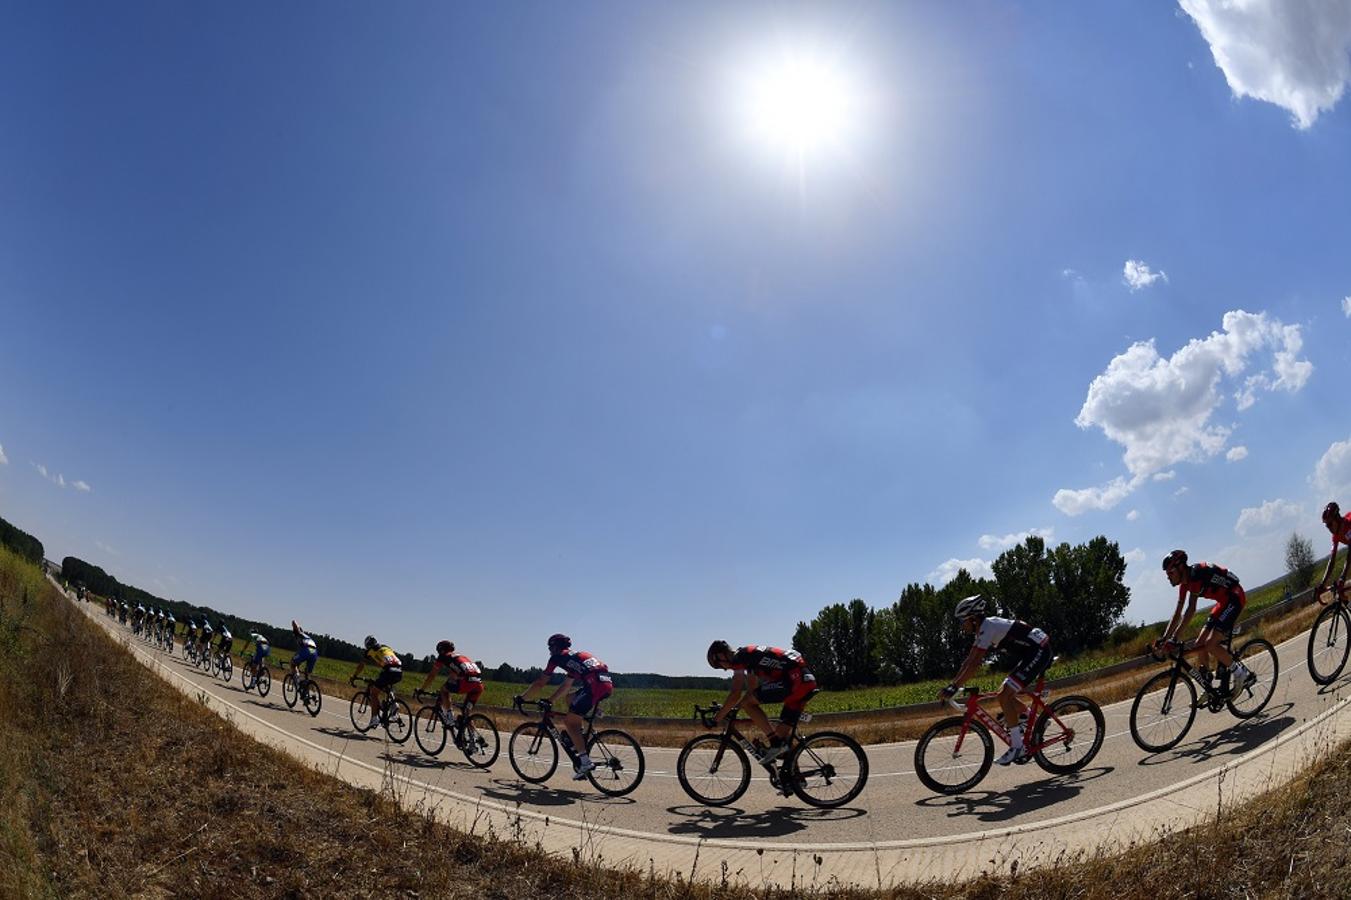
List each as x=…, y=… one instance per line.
x=763, y=674
x=462, y=677
x=1209, y=582
x=594, y=684
x=1340, y=526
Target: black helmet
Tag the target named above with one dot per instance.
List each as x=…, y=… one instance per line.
x=716, y=649
x=1176, y=558
x=559, y=642
x=370, y=642
x=1331, y=513
x=444, y=647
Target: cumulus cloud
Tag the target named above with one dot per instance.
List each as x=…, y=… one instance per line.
x=1268, y=516
x=1180, y=491
x=1138, y=275
x=81, y=486
x=1074, y=503
x=1132, y=515
x=1165, y=476
x=1134, y=556
x=1003, y=542
x=1293, y=53
x=1332, y=474
x=1236, y=453
x=1346, y=306
x=976, y=568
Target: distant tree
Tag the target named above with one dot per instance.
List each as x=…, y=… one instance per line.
x=1299, y=562
x=21, y=542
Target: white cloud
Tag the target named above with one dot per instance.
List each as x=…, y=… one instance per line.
x=1332, y=474
x=1003, y=542
x=1134, y=556
x=1180, y=491
x=1074, y=503
x=81, y=486
x=1138, y=275
x=1346, y=306
x=1236, y=453
x=1293, y=53
x=1165, y=476
x=4, y=460
x=976, y=568
x=1268, y=516
x=1132, y=515
x=59, y=480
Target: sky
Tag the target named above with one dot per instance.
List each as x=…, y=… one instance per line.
x=655, y=323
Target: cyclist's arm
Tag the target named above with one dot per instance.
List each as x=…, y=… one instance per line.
x=562, y=689
x=1327, y=573
x=361, y=667
x=739, y=687
x=969, y=666
x=436, y=667
x=536, y=685
x=1180, y=619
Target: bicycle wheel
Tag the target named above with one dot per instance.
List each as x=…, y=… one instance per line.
x=1329, y=644
x=289, y=692
x=227, y=667
x=245, y=679
x=312, y=697
x=1163, y=711
x=953, y=757
x=619, y=762
x=1260, y=658
x=713, y=770
x=533, y=752
x=480, y=742
x=360, y=712
x=263, y=681
x=1077, y=727
x=398, y=721
x=213, y=664
x=827, y=769
x=429, y=730
x=186, y=654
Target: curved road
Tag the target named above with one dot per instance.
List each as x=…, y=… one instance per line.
x=896, y=829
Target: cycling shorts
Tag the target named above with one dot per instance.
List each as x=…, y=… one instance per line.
x=307, y=657
x=261, y=653
x=1029, y=667
x=797, y=686
x=1225, y=614
x=472, y=688
x=590, y=693
x=388, y=678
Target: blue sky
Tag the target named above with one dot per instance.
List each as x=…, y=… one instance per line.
x=431, y=320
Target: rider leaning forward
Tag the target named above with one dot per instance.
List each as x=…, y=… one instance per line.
x=1340, y=526
x=1209, y=582
x=765, y=675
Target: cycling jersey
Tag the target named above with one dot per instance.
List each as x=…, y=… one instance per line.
x=260, y=641
x=1010, y=635
x=766, y=663
x=458, y=666
x=385, y=658
x=306, y=641
x=1219, y=584
x=1343, y=533
x=579, y=666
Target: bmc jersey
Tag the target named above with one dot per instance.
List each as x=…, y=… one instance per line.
x=460, y=666
x=767, y=663
x=384, y=657
x=1208, y=582
x=1009, y=634
x=1343, y=533
x=579, y=666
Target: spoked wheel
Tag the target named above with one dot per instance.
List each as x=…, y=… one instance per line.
x=953, y=757
x=1163, y=711
x=480, y=742
x=828, y=769
x=245, y=679
x=399, y=721
x=186, y=654
x=619, y=762
x=263, y=681
x=360, y=712
x=1259, y=657
x=1077, y=728
x=227, y=667
x=289, y=692
x=532, y=752
x=429, y=731
x=1329, y=644
x=213, y=663
x=713, y=770
x=312, y=697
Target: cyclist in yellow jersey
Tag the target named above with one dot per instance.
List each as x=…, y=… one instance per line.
x=391, y=673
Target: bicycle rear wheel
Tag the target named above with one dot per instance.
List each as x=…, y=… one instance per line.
x=827, y=769
x=480, y=742
x=1077, y=727
x=951, y=758
x=533, y=752
x=713, y=770
x=1260, y=658
x=429, y=730
x=312, y=697
x=245, y=679
x=619, y=762
x=1329, y=644
x=1163, y=711
x=398, y=721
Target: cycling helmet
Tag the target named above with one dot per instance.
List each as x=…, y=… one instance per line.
x=559, y=642
x=444, y=647
x=1176, y=558
x=716, y=649
x=970, y=606
x=1331, y=513
x=370, y=642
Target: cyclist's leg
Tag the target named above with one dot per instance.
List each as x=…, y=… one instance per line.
x=580, y=704
x=757, y=692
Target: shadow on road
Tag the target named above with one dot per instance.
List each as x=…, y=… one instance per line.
x=520, y=792
x=1336, y=686
x=731, y=822
x=1233, y=741
x=265, y=704
x=418, y=760
x=349, y=734
x=1000, y=806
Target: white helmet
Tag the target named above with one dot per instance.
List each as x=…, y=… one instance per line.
x=970, y=606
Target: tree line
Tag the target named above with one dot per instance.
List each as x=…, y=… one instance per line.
x=21, y=542
x=1075, y=593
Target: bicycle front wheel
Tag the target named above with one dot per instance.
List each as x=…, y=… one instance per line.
x=619, y=762
x=227, y=667
x=480, y=742
x=245, y=679
x=263, y=681
x=827, y=769
x=533, y=752
x=360, y=712
x=713, y=770
x=429, y=730
x=1163, y=711
x=953, y=757
x=1075, y=728
x=398, y=721
x=1329, y=644
x=289, y=692
x=1259, y=657
x=312, y=697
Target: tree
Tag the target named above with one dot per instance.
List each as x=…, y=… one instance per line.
x=1299, y=562
x=839, y=645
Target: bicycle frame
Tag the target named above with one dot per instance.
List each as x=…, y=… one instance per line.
x=1036, y=712
x=547, y=721
x=1183, y=669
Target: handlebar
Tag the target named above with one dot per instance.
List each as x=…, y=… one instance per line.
x=544, y=706
x=707, y=715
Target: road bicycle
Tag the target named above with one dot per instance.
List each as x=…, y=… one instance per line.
x=825, y=769
x=533, y=751
x=1330, y=638
x=260, y=679
x=190, y=648
x=302, y=688
x=1062, y=737
x=475, y=735
x=221, y=663
x=1166, y=704
x=394, y=713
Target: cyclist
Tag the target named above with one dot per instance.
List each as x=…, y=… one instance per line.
x=593, y=685
x=1340, y=526
x=137, y=616
x=169, y=629
x=227, y=640
x=261, y=648
x=1027, y=647
x=307, y=652
x=462, y=677
x=190, y=631
x=765, y=675
x=204, y=637
x=391, y=673
x=1210, y=582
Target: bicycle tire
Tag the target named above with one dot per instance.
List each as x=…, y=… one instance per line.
x=1185, y=706
x=245, y=679
x=1267, y=670
x=360, y=712
x=398, y=721
x=429, y=730
x=1064, y=708
x=950, y=729
x=312, y=697
x=824, y=768
x=716, y=749
x=227, y=668
x=538, y=750
x=618, y=757
x=1325, y=665
x=263, y=681
x=289, y=691
x=479, y=742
